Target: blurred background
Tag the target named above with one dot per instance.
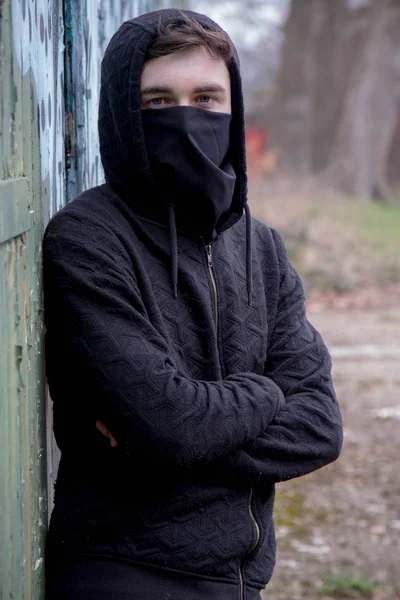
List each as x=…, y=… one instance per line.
x=322, y=92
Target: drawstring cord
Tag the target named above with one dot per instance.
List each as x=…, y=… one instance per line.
x=174, y=252
x=174, y=248
x=249, y=263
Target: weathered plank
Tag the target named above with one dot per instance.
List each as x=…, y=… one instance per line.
x=15, y=215
x=25, y=189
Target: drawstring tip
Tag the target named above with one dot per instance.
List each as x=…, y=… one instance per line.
x=175, y=292
x=249, y=266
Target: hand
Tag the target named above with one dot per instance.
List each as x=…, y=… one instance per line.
x=103, y=429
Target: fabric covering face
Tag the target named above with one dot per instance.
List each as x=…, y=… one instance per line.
x=187, y=149
x=212, y=381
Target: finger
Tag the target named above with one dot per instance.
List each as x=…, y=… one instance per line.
x=113, y=442
x=102, y=428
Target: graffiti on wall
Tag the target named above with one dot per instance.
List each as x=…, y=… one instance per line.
x=37, y=29
x=89, y=26
x=64, y=57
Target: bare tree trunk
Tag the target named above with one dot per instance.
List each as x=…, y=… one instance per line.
x=388, y=99
x=394, y=155
x=359, y=155
x=316, y=65
x=291, y=113
x=339, y=36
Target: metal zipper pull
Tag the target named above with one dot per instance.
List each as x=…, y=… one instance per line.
x=209, y=255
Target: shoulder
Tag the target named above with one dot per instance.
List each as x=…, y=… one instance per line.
x=92, y=214
x=90, y=225
x=268, y=247
x=270, y=251
x=268, y=242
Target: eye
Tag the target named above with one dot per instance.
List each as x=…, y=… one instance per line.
x=156, y=101
x=204, y=99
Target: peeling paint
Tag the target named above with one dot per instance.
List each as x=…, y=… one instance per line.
x=38, y=563
x=35, y=51
x=88, y=27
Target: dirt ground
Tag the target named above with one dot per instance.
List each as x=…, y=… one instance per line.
x=343, y=522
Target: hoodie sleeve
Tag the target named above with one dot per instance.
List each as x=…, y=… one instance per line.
x=94, y=312
x=306, y=433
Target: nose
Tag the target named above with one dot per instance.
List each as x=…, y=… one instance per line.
x=183, y=101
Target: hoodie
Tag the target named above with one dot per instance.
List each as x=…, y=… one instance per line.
x=198, y=357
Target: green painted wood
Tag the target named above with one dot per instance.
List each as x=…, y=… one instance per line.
x=14, y=496
x=23, y=194
x=15, y=215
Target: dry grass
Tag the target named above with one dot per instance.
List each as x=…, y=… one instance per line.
x=336, y=243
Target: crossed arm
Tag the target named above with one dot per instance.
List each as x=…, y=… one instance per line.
x=306, y=433
x=262, y=428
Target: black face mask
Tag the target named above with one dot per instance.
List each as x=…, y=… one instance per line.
x=187, y=148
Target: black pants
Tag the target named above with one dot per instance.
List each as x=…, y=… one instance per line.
x=92, y=578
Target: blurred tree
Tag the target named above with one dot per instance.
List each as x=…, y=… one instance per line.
x=358, y=161
x=336, y=104
x=338, y=40
x=256, y=29
x=291, y=112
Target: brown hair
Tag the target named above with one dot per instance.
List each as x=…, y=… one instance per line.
x=188, y=35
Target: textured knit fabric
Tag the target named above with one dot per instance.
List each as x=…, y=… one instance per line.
x=213, y=394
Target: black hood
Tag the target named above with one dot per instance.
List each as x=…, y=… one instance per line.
x=122, y=144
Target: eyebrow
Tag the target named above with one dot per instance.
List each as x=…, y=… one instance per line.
x=161, y=89
x=209, y=87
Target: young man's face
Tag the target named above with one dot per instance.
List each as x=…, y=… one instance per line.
x=186, y=78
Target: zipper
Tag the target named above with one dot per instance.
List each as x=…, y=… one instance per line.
x=253, y=547
x=252, y=517
x=208, y=248
x=213, y=282
x=241, y=596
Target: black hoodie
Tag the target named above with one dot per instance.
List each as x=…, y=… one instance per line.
x=214, y=394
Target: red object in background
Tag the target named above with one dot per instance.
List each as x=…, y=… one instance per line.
x=256, y=146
